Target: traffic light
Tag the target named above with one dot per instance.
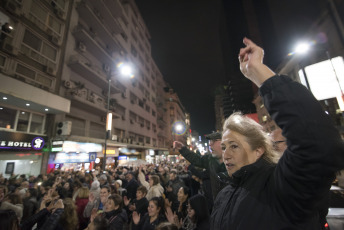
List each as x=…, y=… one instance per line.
x=64, y=128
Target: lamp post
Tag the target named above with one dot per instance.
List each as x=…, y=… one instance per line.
x=125, y=70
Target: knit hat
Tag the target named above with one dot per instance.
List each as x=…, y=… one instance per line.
x=119, y=182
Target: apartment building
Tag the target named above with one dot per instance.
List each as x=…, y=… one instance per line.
x=59, y=61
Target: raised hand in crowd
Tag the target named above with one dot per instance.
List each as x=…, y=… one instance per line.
x=172, y=217
x=136, y=218
x=126, y=200
x=177, y=145
x=91, y=197
x=132, y=207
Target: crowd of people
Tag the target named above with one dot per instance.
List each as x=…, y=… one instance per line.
x=249, y=181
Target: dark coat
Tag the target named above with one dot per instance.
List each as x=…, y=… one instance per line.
x=50, y=221
x=288, y=195
x=145, y=224
x=216, y=169
x=131, y=188
x=116, y=219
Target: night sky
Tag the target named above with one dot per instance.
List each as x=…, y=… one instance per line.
x=186, y=44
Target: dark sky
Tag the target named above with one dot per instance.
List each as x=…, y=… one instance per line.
x=185, y=47
x=186, y=44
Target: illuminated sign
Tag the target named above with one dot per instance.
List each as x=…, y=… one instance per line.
x=21, y=141
x=63, y=157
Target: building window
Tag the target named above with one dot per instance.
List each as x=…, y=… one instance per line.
x=7, y=117
x=21, y=120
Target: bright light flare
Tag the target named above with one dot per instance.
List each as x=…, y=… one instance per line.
x=125, y=69
x=302, y=48
x=179, y=127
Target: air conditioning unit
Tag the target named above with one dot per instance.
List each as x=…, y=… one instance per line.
x=64, y=128
x=54, y=39
x=82, y=47
x=69, y=84
x=106, y=68
x=114, y=137
x=124, y=95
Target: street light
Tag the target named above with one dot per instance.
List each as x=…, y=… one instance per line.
x=328, y=65
x=125, y=70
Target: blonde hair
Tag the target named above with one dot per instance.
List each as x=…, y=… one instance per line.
x=69, y=218
x=254, y=133
x=84, y=192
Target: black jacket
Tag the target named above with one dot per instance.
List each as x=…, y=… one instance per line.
x=116, y=219
x=290, y=194
x=217, y=171
x=145, y=224
x=51, y=221
x=131, y=188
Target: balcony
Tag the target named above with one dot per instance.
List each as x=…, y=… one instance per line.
x=95, y=17
x=94, y=74
x=82, y=36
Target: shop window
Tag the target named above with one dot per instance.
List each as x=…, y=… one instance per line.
x=7, y=118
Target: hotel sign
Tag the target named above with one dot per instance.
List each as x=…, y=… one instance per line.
x=20, y=141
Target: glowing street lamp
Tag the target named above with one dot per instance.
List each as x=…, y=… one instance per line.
x=127, y=71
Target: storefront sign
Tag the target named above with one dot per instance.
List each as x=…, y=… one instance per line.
x=15, y=141
x=71, y=157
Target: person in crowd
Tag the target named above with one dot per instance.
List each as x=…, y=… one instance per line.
x=174, y=183
x=131, y=186
x=103, y=180
x=121, y=191
x=69, y=218
x=77, y=185
x=68, y=187
x=166, y=226
x=203, y=177
x=262, y=193
x=80, y=203
x=198, y=214
x=183, y=195
x=114, y=212
x=212, y=162
x=163, y=174
x=8, y=219
x=30, y=203
x=98, y=223
x=48, y=218
x=14, y=202
x=97, y=203
x=140, y=204
x=155, y=215
x=154, y=188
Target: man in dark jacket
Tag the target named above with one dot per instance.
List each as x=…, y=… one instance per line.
x=289, y=194
x=212, y=162
x=131, y=186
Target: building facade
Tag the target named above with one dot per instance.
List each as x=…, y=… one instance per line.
x=59, y=61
